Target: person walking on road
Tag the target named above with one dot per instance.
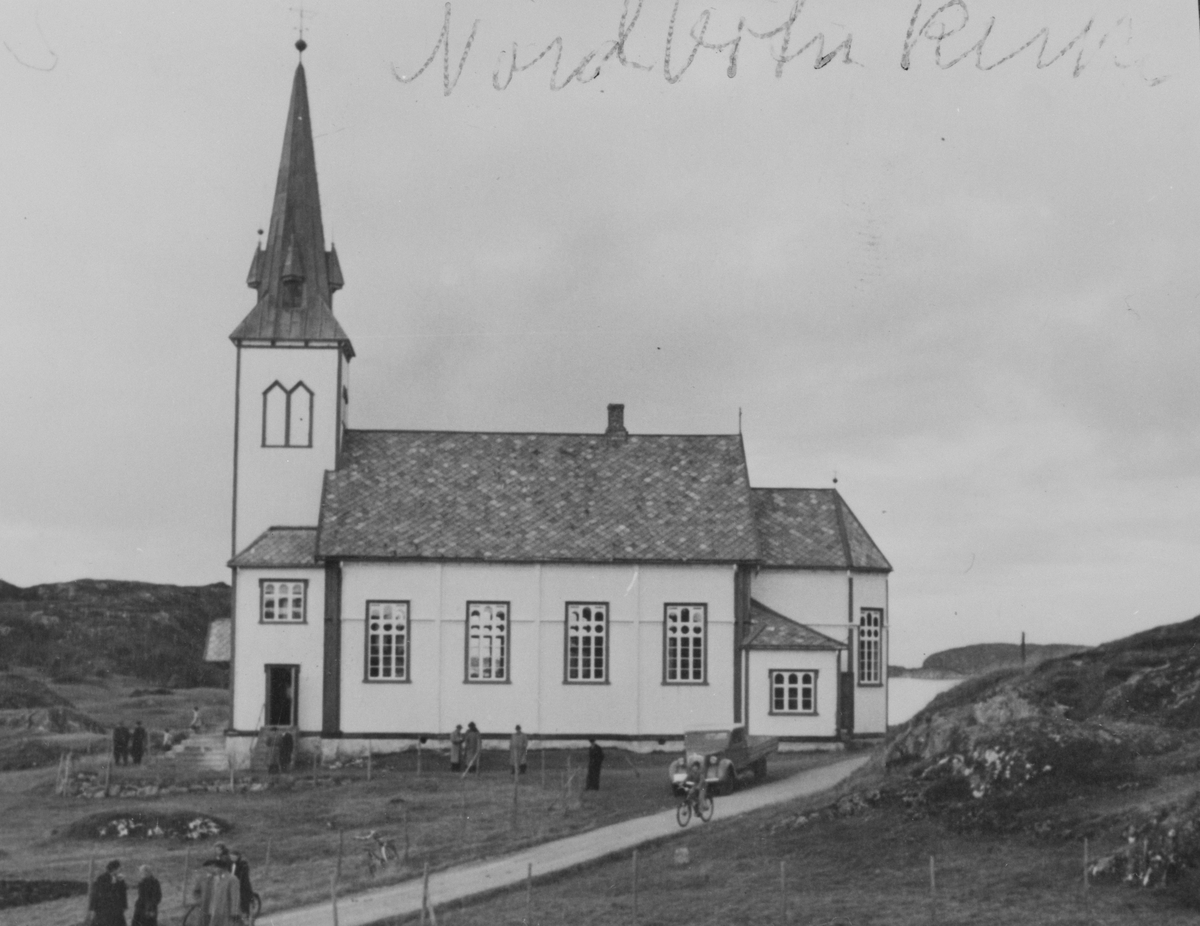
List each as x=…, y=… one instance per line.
x=473, y=747
x=595, y=760
x=149, y=896
x=110, y=897
x=456, y=748
x=518, y=749
x=137, y=743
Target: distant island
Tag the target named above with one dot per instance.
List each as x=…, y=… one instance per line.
x=980, y=658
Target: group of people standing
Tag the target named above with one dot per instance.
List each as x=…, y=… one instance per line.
x=224, y=893
x=108, y=898
x=468, y=744
x=128, y=744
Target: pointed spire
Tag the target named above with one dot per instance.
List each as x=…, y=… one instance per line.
x=254, y=277
x=334, y=269
x=294, y=275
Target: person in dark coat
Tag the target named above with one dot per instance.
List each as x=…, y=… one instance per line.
x=149, y=896
x=110, y=897
x=120, y=743
x=137, y=743
x=595, y=760
x=287, y=747
x=473, y=747
x=241, y=871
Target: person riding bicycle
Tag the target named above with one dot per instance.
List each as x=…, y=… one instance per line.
x=695, y=786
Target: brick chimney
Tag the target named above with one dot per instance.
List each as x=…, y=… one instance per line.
x=616, y=421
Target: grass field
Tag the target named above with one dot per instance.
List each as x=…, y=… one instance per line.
x=447, y=819
x=871, y=869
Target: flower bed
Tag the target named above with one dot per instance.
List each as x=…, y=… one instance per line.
x=136, y=825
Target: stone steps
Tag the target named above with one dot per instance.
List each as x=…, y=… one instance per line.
x=200, y=752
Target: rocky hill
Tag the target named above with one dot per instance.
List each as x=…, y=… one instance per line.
x=1044, y=748
x=88, y=628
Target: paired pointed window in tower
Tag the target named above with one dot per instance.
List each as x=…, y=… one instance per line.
x=287, y=415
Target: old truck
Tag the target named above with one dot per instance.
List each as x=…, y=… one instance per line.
x=724, y=754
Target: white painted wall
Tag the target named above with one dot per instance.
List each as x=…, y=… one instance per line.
x=820, y=599
x=870, y=702
x=282, y=485
x=258, y=645
x=763, y=722
x=634, y=701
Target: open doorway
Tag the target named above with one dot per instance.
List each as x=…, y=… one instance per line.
x=281, y=695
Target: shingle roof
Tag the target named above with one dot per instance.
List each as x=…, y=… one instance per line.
x=295, y=247
x=771, y=630
x=539, y=497
x=280, y=547
x=812, y=529
x=218, y=647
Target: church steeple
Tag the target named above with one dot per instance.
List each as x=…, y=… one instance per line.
x=295, y=276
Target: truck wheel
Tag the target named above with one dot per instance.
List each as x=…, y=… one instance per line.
x=760, y=769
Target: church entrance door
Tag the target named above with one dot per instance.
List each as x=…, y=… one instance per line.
x=281, y=695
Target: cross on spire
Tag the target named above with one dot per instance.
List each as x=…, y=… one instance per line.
x=301, y=13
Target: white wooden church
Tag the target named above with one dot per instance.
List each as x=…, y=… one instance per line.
x=391, y=584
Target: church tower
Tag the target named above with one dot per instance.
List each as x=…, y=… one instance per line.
x=293, y=357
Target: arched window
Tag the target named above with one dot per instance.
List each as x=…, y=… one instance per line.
x=683, y=654
x=275, y=416
x=487, y=641
x=300, y=403
x=587, y=643
x=287, y=416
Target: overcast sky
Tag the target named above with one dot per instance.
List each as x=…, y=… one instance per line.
x=968, y=289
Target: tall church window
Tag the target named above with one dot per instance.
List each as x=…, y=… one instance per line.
x=387, y=641
x=275, y=416
x=870, y=646
x=287, y=416
x=683, y=655
x=300, y=403
x=487, y=641
x=793, y=692
x=282, y=602
x=587, y=642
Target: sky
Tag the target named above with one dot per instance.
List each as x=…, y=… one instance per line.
x=953, y=266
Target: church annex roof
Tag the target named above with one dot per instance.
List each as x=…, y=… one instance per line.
x=294, y=276
x=812, y=529
x=279, y=547
x=539, y=498
x=771, y=630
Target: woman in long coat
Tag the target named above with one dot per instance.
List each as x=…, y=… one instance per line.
x=473, y=746
x=149, y=896
x=109, y=899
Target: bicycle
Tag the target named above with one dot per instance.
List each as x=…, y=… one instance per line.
x=697, y=800
x=193, y=917
x=380, y=855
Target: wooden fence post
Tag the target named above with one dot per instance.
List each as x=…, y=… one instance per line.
x=187, y=863
x=424, y=894
x=635, y=888
x=341, y=847
x=932, y=891
x=406, y=838
x=542, y=751
x=91, y=878
x=267, y=863
x=783, y=890
x=529, y=895
x=369, y=751
x=333, y=897
x=419, y=754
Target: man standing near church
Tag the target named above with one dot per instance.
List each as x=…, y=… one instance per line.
x=518, y=748
x=137, y=743
x=595, y=760
x=120, y=743
x=110, y=897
